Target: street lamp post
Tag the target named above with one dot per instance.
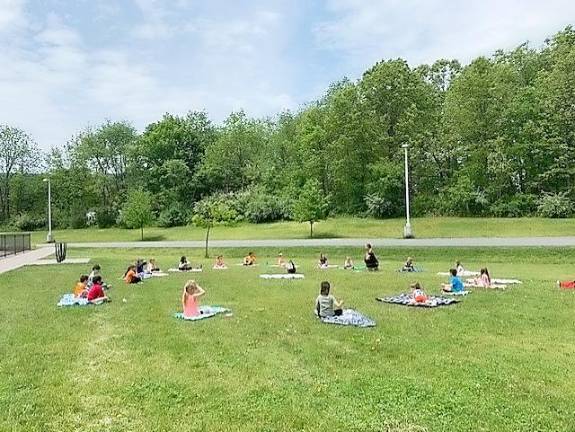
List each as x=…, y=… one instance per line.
x=407, y=232
x=49, y=238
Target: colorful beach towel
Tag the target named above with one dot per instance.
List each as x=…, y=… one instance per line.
x=70, y=300
x=159, y=274
x=471, y=283
x=283, y=276
x=415, y=270
x=205, y=312
x=194, y=270
x=405, y=299
x=350, y=317
x=456, y=293
x=506, y=281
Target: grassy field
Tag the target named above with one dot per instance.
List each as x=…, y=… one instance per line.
x=338, y=227
x=498, y=361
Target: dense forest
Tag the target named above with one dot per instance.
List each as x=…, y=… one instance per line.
x=494, y=137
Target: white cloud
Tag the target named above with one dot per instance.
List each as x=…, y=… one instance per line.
x=11, y=14
x=425, y=30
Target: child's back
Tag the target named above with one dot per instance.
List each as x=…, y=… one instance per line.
x=325, y=305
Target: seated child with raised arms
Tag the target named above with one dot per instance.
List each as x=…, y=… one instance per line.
x=190, y=299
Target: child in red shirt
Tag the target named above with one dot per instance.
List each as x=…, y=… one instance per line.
x=96, y=293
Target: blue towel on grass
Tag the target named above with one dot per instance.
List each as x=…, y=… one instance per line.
x=350, y=317
x=70, y=300
x=205, y=312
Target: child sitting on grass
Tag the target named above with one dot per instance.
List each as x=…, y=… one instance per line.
x=290, y=267
x=281, y=260
x=417, y=293
x=184, y=264
x=408, y=266
x=96, y=271
x=326, y=305
x=322, y=263
x=190, y=296
x=220, y=264
x=249, y=259
x=96, y=293
x=455, y=284
x=80, y=288
x=131, y=277
x=348, y=263
x=152, y=266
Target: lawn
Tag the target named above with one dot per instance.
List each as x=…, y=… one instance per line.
x=334, y=228
x=498, y=361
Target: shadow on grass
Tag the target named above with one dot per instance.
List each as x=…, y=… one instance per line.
x=325, y=235
x=154, y=238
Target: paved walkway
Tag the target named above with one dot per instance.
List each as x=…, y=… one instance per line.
x=430, y=242
x=16, y=261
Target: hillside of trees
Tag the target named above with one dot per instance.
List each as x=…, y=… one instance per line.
x=493, y=138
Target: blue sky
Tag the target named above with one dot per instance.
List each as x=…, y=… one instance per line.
x=65, y=65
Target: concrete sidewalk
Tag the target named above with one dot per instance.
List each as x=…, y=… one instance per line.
x=345, y=242
x=16, y=261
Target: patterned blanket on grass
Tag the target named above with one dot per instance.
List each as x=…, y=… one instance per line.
x=456, y=293
x=413, y=270
x=70, y=300
x=350, y=317
x=194, y=270
x=205, y=312
x=283, y=276
x=406, y=300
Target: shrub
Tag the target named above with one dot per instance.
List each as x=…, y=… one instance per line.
x=378, y=206
x=27, y=222
x=173, y=216
x=516, y=206
x=77, y=220
x=555, y=206
x=263, y=207
x=462, y=198
x=106, y=217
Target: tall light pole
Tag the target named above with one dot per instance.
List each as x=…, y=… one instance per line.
x=49, y=238
x=407, y=232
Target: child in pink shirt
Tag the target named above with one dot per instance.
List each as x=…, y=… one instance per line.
x=190, y=303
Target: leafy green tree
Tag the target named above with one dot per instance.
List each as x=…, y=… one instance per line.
x=210, y=212
x=18, y=154
x=311, y=205
x=137, y=212
x=104, y=151
x=167, y=157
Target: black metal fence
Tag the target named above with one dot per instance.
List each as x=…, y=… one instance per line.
x=11, y=244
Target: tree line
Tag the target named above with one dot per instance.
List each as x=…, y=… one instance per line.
x=493, y=138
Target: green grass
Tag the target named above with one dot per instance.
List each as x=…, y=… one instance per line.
x=336, y=227
x=499, y=361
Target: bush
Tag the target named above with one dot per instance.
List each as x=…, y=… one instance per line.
x=27, y=222
x=77, y=221
x=263, y=207
x=555, y=206
x=378, y=206
x=173, y=216
x=106, y=217
x=516, y=206
x=462, y=198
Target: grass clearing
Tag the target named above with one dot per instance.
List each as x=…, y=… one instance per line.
x=334, y=228
x=497, y=361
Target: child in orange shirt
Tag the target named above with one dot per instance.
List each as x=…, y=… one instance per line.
x=80, y=288
x=131, y=277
